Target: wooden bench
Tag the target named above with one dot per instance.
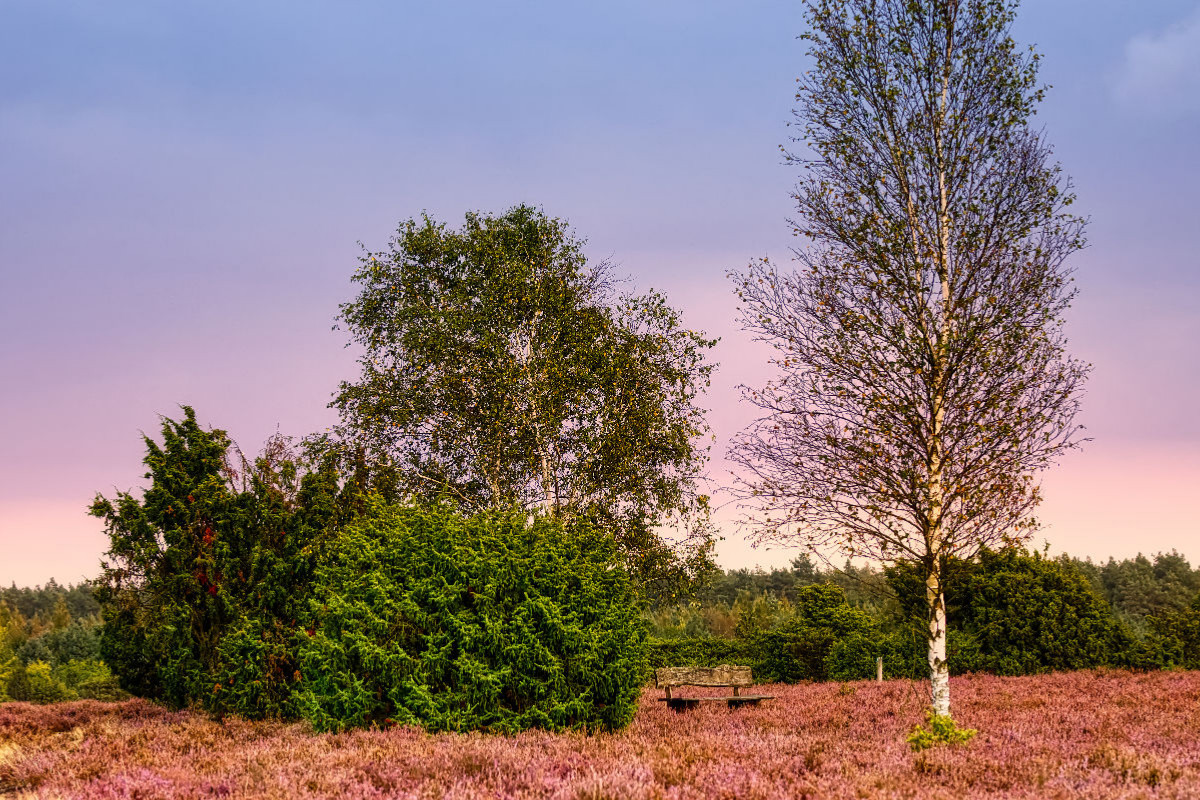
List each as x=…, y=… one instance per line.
x=668, y=678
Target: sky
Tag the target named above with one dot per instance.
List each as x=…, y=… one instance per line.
x=183, y=187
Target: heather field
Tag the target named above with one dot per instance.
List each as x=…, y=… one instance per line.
x=1070, y=735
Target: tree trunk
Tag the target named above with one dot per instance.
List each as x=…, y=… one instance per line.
x=939, y=670
x=549, y=496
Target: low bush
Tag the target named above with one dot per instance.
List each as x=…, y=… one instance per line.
x=75, y=672
x=421, y=616
x=942, y=730
x=1018, y=613
x=36, y=683
x=105, y=689
x=825, y=638
x=1177, y=636
x=700, y=652
x=854, y=657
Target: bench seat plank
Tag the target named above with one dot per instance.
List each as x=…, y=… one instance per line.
x=724, y=675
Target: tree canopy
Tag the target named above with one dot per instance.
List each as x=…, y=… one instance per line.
x=924, y=380
x=500, y=370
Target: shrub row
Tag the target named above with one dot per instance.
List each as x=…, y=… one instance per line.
x=424, y=617
x=1012, y=612
x=39, y=682
x=826, y=639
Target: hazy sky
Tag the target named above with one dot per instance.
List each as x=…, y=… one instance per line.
x=182, y=186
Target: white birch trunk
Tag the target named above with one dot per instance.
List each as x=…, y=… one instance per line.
x=939, y=670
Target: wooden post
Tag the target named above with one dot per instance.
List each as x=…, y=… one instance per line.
x=879, y=669
x=736, y=690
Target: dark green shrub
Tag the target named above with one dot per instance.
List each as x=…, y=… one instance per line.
x=701, y=652
x=801, y=648
x=425, y=617
x=853, y=658
x=17, y=687
x=79, y=641
x=34, y=650
x=825, y=637
x=206, y=578
x=792, y=653
x=1177, y=636
x=106, y=689
x=1013, y=612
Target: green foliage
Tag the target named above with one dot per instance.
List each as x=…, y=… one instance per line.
x=823, y=638
x=36, y=683
x=1140, y=588
x=76, y=640
x=425, y=617
x=8, y=665
x=90, y=680
x=35, y=650
x=40, y=602
x=17, y=682
x=703, y=652
x=853, y=658
x=207, y=573
x=39, y=682
x=500, y=370
x=800, y=649
x=106, y=690
x=1177, y=635
x=1017, y=613
x=942, y=730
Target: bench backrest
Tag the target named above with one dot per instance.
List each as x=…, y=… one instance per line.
x=724, y=675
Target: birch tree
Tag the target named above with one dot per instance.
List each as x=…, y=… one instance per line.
x=923, y=380
x=501, y=370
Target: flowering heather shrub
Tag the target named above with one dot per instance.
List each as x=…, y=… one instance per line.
x=1067, y=736
x=424, y=617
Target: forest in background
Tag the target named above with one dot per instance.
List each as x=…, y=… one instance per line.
x=806, y=622
x=754, y=600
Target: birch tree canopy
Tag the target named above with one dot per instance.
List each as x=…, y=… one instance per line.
x=923, y=380
x=501, y=370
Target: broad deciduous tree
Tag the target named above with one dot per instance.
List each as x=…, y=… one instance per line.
x=924, y=381
x=500, y=370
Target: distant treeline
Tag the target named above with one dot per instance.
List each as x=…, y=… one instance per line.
x=1135, y=588
x=40, y=604
x=50, y=645
x=1012, y=612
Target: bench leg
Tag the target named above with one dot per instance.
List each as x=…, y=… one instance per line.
x=681, y=704
x=738, y=702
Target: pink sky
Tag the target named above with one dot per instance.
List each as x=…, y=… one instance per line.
x=181, y=191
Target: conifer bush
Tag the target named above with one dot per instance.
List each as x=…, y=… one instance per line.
x=492, y=622
x=206, y=575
